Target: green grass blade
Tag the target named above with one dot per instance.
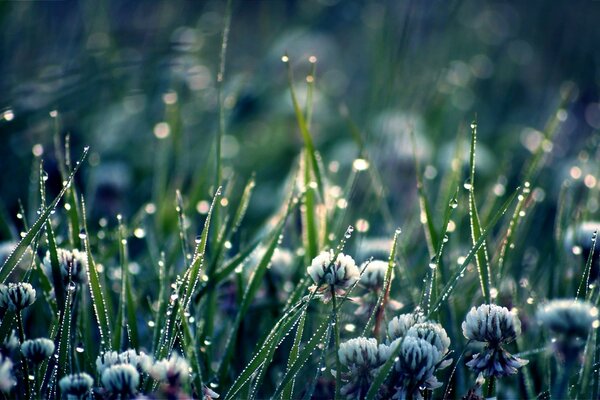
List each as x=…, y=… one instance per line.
x=383, y=372
x=64, y=342
x=306, y=136
x=263, y=355
x=377, y=313
x=316, y=340
x=251, y=290
x=451, y=284
x=481, y=257
x=96, y=292
x=16, y=255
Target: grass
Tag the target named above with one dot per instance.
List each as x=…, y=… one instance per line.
x=194, y=273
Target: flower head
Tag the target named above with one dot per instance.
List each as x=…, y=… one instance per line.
x=340, y=273
x=121, y=379
x=374, y=274
x=141, y=361
x=362, y=357
x=495, y=326
x=491, y=324
x=399, y=325
x=7, y=381
x=173, y=370
x=568, y=317
x=16, y=296
x=416, y=365
x=11, y=343
x=76, y=385
x=570, y=321
x=37, y=350
x=72, y=264
x=433, y=333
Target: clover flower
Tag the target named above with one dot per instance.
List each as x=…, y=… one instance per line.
x=173, y=370
x=571, y=321
x=415, y=366
x=340, y=273
x=16, y=296
x=11, y=343
x=7, y=381
x=121, y=379
x=72, y=264
x=141, y=361
x=37, y=350
x=399, y=325
x=374, y=274
x=362, y=357
x=433, y=333
x=494, y=326
x=76, y=385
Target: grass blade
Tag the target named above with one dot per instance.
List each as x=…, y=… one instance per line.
x=16, y=255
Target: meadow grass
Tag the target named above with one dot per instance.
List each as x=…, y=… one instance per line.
x=207, y=306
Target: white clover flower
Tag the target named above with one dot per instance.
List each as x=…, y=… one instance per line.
x=16, y=296
x=572, y=318
x=37, y=350
x=73, y=263
x=76, y=385
x=122, y=379
x=173, y=370
x=495, y=326
x=491, y=324
x=141, y=361
x=399, y=325
x=342, y=273
x=416, y=365
x=7, y=381
x=363, y=352
x=433, y=333
x=362, y=357
x=11, y=343
x=373, y=274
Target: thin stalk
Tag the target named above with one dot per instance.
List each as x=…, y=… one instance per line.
x=491, y=389
x=336, y=335
x=24, y=363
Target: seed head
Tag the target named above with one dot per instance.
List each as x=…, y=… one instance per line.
x=37, y=350
x=491, y=324
x=76, y=385
x=122, y=379
x=16, y=296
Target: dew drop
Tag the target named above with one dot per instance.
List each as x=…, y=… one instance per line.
x=82, y=234
x=468, y=185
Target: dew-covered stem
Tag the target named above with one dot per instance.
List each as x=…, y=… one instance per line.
x=336, y=336
x=24, y=366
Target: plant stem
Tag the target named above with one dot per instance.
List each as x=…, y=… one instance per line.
x=336, y=335
x=491, y=389
x=24, y=361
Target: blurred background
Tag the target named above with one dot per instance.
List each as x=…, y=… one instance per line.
x=136, y=81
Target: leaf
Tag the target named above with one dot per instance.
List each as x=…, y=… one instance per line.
x=96, y=292
x=16, y=255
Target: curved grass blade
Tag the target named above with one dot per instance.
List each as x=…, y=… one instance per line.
x=96, y=292
x=16, y=255
x=64, y=341
x=377, y=312
x=252, y=288
x=451, y=284
x=481, y=257
x=263, y=356
x=316, y=340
